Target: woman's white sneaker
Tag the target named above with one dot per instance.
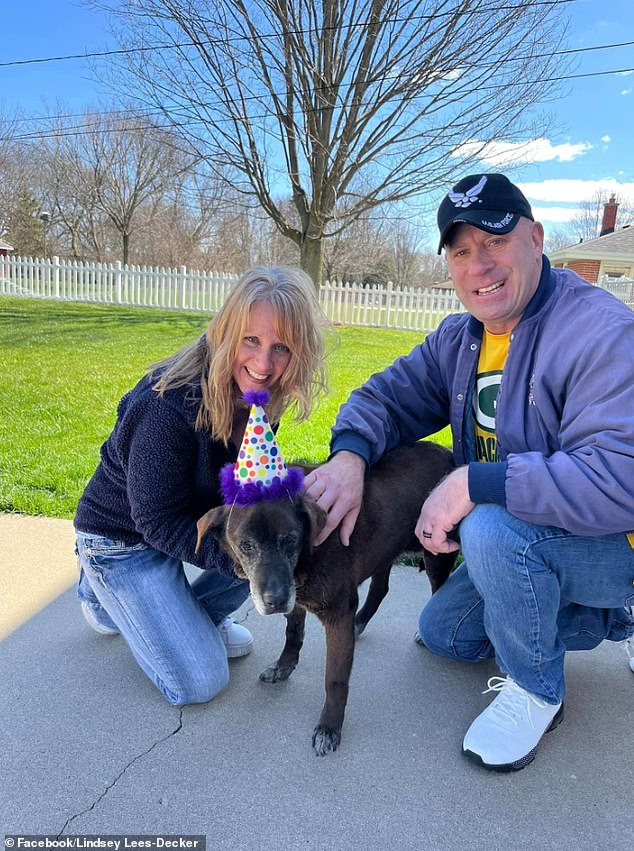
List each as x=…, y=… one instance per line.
x=236, y=638
x=505, y=736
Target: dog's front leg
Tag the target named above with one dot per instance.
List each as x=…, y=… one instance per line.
x=339, y=655
x=286, y=664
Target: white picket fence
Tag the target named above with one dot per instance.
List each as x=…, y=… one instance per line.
x=194, y=290
x=622, y=288
x=113, y=283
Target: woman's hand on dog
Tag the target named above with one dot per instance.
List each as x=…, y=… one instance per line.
x=443, y=510
x=337, y=487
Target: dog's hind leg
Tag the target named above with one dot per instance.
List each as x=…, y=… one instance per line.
x=437, y=567
x=286, y=664
x=339, y=655
x=379, y=586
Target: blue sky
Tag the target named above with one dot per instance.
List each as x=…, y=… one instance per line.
x=592, y=148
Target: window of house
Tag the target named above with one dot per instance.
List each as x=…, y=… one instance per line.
x=615, y=271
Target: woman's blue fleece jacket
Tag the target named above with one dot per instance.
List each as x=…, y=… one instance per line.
x=157, y=476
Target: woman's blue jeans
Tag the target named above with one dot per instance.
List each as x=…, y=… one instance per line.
x=168, y=623
x=525, y=594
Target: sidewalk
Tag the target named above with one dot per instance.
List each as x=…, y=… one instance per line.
x=89, y=747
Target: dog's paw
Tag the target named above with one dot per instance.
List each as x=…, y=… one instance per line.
x=359, y=626
x=276, y=673
x=325, y=740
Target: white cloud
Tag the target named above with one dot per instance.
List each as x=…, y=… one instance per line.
x=606, y=139
x=513, y=153
x=443, y=76
x=626, y=91
x=553, y=214
x=573, y=192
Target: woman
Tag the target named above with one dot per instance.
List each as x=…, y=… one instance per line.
x=136, y=521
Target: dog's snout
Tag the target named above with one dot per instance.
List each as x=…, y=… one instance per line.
x=275, y=599
x=273, y=593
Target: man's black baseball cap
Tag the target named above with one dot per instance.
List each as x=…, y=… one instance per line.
x=486, y=201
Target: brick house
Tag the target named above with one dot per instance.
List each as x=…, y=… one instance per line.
x=610, y=255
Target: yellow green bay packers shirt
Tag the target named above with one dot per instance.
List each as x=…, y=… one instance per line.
x=493, y=352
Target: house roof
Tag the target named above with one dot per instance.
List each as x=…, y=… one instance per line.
x=4, y=246
x=613, y=246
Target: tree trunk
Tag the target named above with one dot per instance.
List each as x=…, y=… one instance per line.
x=312, y=259
x=126, y=247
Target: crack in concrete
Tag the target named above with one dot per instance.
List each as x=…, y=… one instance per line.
x=120, y=775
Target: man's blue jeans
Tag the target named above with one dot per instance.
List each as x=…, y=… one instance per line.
x=168, y=623
x=525, y=594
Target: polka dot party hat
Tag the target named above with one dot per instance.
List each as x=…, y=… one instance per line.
x=260, y=471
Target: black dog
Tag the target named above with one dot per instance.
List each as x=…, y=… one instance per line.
x=271, y=545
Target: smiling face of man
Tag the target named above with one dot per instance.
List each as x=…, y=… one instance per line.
x=495, y=275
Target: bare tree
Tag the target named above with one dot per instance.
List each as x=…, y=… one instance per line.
x=114, y=168
x=301, y=99
x=360, y=251
x=179, y=226
x=432, y=268
x=560, y=236
x=71, y=195
x=270, y=246
x=587, y=219
x=405, y=240
x=9, y=179
x=132, y=163
x=22, y=221
x=26, y=231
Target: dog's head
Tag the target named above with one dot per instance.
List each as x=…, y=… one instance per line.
x=266, y=541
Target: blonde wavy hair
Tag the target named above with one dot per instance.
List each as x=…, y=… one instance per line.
x=208, y=362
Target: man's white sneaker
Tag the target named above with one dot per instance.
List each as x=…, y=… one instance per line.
x=505, y=736
x=90, y=615
x=236, y=638
x=629, y=646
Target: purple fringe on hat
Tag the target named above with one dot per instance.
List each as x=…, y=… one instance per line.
x=256, y=397
x=234, y=492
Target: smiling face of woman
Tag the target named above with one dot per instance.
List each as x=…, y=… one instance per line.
x=262, y=357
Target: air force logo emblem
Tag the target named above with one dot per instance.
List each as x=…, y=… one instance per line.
x=466, y=199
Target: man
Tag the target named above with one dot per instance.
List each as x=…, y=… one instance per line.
x=536, y=383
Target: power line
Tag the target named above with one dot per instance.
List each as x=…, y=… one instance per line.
x=86, y=130
x=100, y=54
x=115, y=112
x=148, y=112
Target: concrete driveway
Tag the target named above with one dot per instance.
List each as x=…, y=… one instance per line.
x=88, y=746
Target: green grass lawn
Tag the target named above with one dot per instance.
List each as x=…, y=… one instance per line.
x=65, y=367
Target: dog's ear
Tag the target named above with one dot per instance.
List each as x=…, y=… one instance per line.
x=214, y=521
x=315, y=516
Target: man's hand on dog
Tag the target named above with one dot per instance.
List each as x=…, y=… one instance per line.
x=337, y=487
x=443, y=509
